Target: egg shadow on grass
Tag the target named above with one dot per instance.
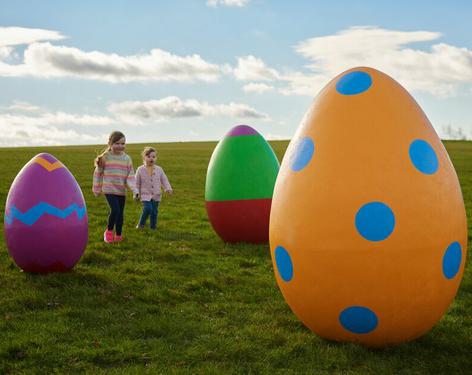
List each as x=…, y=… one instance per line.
x=68, y=280
x=445, y=346
x=173, y=235
x=249, y=250
x=73, y=290
x=435, y=350
x=96, y=258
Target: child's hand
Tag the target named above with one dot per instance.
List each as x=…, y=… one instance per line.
x=96, y=193
x=170, y=192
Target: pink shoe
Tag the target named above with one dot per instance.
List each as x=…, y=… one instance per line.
x=108, y=236
x=118, y=238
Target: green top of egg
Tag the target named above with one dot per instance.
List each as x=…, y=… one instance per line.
x=241, y=167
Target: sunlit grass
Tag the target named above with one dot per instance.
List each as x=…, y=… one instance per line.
x=180, y=300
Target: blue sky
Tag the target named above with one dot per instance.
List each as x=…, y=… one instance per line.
x=71, y=72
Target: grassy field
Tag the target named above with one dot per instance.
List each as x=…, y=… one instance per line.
x=182, y=301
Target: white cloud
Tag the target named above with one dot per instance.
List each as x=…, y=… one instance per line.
x=34, y=135
x=174, y=107
x=251, y=68
x=229, y=3
x=45, y=60
x=5, y=52
x=23, y=107
x=239, y=111
x=258, y=88
x=21, y=117
x=11, y=36
x=441, y=70
x=304, y=84
x=25, y=124
x=356, y=41
x=276, y=137
x=54, y=118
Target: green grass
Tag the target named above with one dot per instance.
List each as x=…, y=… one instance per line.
x=182, y=301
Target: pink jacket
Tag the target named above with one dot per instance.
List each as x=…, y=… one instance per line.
x=150, y=187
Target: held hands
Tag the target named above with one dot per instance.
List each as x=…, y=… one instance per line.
x=136, y=197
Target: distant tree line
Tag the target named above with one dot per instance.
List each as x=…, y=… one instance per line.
x=454, y=133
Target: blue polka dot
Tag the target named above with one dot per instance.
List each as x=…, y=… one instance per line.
x=354, y=83
x=423, y=156
x=358, y=319
x=452, y=260
x=302, y=154
x=375, y=221
x=284, y=263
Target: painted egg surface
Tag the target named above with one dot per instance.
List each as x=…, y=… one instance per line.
x=239, y=185
x=368, y=230
x=46, y=225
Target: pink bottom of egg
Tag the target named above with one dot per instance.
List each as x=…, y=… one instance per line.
x=50, y=245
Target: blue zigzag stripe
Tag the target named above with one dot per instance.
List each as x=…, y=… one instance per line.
x=34, y=213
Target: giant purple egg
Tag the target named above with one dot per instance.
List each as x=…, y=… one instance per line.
x=46, y=224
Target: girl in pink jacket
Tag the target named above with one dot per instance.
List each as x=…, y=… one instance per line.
x=150, y=180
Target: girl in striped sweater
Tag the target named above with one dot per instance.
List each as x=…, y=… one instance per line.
x=113, y=172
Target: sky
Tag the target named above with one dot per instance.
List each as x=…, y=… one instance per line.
x=189, y=70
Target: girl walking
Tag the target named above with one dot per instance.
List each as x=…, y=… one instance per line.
x=113, y=173
x=150, y=181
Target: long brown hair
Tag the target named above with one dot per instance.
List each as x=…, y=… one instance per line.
x=114, y=137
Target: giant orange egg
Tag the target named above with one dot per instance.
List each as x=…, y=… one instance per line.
x=368, y=230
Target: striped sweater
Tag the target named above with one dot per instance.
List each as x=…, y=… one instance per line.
x=114, y=173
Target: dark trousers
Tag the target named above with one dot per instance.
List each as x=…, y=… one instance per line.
x=117, y=207
x=150, y=208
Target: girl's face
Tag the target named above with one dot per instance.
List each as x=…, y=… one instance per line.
x=150, y=158
x=119, y=146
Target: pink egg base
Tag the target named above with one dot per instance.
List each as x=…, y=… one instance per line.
x=38, y=268
x=50, y=245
